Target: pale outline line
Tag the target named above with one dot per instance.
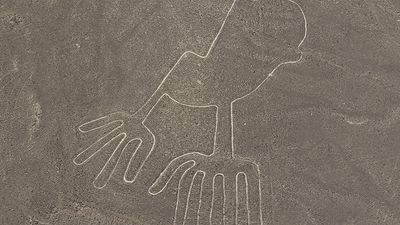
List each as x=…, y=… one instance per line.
x=159, y=86
x=190, y=192
x=96, y=128
x=107, y=143
x=130, y=160
x=98, y=150
x=108, y=160
x=179, y=190
x=257, y=172
x=152, y=147
x=237, y=197
x=166, y=94
x=201, y=195
x=170, y=71
x=172, y=175
x=205, y=106
x=224, y=202
x=279, y=65
x=251, y=92
x=213, y=197
x=259, y=193
x=194, y=53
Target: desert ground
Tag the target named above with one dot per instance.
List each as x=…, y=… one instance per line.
x=117, y=112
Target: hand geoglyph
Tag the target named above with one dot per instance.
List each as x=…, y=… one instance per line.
x=220, y=188
x=127, y=128
x=214, y=189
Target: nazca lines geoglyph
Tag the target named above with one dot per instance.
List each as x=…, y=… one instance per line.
x=207, y=182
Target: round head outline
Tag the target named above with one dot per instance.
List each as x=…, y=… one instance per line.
x=266, y=29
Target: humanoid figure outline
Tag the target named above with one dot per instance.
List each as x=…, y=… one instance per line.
x=196, y=163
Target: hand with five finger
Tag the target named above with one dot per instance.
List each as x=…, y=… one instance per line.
x=213, y=190
x=124, y=131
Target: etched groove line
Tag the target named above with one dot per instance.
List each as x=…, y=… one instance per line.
x=252, y=178
x=232, y=134
x=165, y=94
x=194, y=53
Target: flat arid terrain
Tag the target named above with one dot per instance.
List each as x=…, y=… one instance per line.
x=189, y=112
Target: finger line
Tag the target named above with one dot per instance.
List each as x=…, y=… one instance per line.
x=201, y=196
x=97, y=142
x=165, y=178
x=107, y=124
x=217, y=214
x=247, y=197
x=108, y=164
x=115, y=150
x=179, y=196
x=189, y=194
x=130, y=161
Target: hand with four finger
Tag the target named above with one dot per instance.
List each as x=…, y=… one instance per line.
x=213, y=189
x=124, y=131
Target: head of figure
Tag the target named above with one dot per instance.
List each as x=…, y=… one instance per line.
x=267, y=30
